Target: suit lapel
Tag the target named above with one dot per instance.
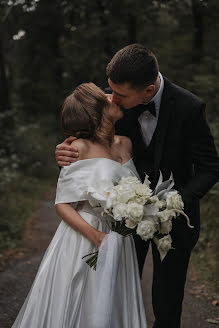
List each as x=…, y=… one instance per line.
x=167, y=105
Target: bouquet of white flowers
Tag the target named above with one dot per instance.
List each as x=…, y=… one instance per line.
x=133, y=207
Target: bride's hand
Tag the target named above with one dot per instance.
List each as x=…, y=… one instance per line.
x=100, y=237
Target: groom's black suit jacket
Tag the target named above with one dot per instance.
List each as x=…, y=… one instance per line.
x=183, y=145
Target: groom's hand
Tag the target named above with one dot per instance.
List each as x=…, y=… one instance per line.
x=66, y=153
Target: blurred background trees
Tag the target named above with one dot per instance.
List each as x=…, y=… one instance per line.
x=49, y=47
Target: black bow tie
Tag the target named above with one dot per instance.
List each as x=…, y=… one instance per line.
x=150, y=107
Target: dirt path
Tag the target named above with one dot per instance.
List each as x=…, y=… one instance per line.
x=21, y=267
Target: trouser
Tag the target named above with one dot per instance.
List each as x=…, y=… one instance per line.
x=169, y=278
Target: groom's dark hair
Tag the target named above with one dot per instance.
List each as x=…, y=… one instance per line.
x=133, y=64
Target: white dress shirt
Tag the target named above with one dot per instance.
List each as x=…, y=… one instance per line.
x=147, y=121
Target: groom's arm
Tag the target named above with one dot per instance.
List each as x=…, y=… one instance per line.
x=203, y=154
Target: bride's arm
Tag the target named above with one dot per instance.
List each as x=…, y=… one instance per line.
x=72, y=218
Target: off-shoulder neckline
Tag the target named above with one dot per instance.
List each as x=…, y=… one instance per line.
x=105, y=158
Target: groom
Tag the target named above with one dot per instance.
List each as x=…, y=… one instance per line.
x=169, y=133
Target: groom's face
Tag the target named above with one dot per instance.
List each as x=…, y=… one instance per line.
x=126, y=96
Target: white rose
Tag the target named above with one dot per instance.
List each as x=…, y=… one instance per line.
x=143, y=193
x=122, y=187
x=146, y=229
x=124, y=196
x=174, y=201
x=119, y=212
x=165, y=227
x=125, y=193
x=166, y=215
x=142, y=190
x=164, y=245
x=154, y=199
x=129, y=223
x=128, y=181
x=135, y=211
x=161, y=204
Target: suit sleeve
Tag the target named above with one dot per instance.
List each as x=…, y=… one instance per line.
x=204, y=157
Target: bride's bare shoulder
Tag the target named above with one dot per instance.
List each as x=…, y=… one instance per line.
x=123, y=142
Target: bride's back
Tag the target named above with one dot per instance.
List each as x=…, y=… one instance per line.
x=119, y=151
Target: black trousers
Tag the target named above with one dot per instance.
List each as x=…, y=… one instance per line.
x=169, y=278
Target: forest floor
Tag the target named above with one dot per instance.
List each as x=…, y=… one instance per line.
x=19, y=266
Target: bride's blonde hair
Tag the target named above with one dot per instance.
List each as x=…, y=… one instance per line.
x=85, y=114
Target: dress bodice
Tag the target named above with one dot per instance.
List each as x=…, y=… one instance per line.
x=130, y=164
x=75, y=179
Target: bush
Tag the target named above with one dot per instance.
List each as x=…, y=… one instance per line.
x=26, y=173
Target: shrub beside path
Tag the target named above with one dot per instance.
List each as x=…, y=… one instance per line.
x=19, y=268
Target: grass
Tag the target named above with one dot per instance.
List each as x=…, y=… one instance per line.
x=16, y=206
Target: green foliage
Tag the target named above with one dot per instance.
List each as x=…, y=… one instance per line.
x=17, y=204
x=26, y=173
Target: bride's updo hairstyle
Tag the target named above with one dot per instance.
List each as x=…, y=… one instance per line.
x=85, y=114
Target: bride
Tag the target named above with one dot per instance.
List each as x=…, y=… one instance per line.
x=66, y=292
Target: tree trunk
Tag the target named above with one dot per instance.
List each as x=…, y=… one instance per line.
x=198, y=31
x=4, y=88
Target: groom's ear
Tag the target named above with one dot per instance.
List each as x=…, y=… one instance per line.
x=149, y=91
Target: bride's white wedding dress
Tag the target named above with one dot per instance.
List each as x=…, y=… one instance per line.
x=66, y=292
